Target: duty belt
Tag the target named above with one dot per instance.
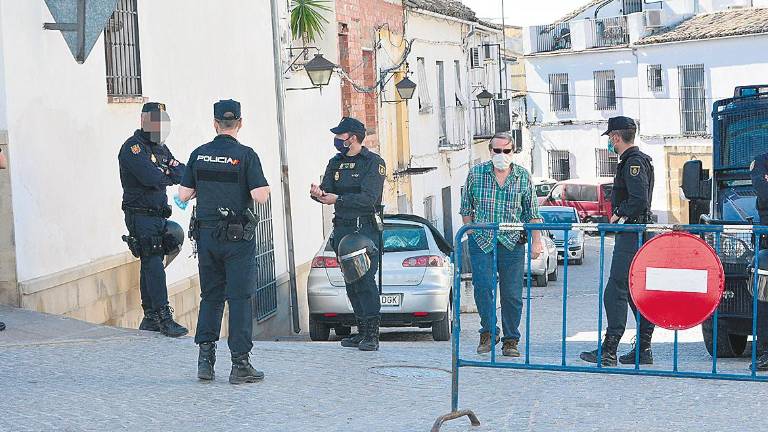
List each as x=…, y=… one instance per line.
x=164, y=212
x=361, y=220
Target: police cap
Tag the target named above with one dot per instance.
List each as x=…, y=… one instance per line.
x=620, y=123
x=349, y=124
x=153, y=107
x=226, y=110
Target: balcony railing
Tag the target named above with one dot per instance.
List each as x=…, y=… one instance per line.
x=490, y=120
x=609, y=32
x=553, y=37
x=453, y=134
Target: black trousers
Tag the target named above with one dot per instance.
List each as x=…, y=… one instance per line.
x=617, y=297
x=154, y=291
x=363, y=294
x=227, y=273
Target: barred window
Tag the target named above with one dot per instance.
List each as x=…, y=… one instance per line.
x=632, y=6
x=558, y=92
x=655, y=78
x=605, y=90
x=265, y=299
x=693, y=105
x=606, y=163
x=559, y=164
x=121, y=46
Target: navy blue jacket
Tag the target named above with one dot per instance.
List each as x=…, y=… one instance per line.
x=633, y=185
x=358, y=181
x=145, y=172
x=759, y=174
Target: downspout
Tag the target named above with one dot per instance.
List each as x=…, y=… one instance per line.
x=284, y=180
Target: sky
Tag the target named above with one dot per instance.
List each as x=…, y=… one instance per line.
x=524, y=12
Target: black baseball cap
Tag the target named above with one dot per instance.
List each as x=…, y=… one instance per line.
x=620, y=123
x=153, y=107
x=228, y=109
x=349, y=124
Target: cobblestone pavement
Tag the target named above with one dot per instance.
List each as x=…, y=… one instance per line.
x=102, y=379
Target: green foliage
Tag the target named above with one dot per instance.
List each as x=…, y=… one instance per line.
x=307, y=20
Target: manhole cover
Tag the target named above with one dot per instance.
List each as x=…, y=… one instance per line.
x=411, y=372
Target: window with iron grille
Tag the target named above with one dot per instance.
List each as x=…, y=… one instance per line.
x=693, y=105
x=655, y=78
x=559, y=164
x=474, y=58
x=606, y=163
x=632, y=6
x=265, y=298
x=605, y=90
x=121, y=46
x=558, y=92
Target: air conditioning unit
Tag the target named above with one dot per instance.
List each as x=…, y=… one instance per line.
x=653, y=19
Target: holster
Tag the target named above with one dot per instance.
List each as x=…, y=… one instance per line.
x=249, y=231
x=194, y=226
x=133, y=245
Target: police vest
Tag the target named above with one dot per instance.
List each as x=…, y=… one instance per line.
x=220, y=180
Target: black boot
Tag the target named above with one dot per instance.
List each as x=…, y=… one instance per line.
x=354, y=340
x=646, y=355
x=242, y=371
x=167, y=325
x=371, y=340
x=205, y=361
x=151, y=321
x=610, y=344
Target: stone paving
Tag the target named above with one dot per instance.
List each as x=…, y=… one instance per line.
x=62, y=375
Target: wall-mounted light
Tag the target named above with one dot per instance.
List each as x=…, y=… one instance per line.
x=319, y=70
x=485, y=97
x=406, y=88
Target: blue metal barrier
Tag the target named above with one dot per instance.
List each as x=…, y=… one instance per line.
x=715, y=233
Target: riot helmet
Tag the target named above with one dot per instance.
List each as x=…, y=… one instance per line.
x=173, y=239
x=355, y=252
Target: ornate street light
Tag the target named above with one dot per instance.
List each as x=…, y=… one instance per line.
x=319, y=70
x=485, y=97
x=405, y=88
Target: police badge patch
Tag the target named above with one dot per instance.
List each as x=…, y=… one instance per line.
x=135, y=149
x=382, y=170
x=634, y=170
x=336, y=176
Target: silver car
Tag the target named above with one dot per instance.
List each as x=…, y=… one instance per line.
x=557, y=214
x=544, y=268
x=417, y=280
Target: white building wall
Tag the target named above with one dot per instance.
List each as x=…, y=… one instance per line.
x=65, y=136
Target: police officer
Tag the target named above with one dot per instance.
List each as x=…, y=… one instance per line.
x=147, y=167
x=353, y=183
x=226, y=177
x=631, y=200
x=759, y=174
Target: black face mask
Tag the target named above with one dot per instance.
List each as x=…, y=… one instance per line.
x=341, y=146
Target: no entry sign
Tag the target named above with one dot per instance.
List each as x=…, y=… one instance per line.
x=676, y=280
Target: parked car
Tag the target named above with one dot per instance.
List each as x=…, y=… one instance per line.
x=544, y=268
x=575, y=247
x=590, y=198
x=417, y=282
x=542, y=187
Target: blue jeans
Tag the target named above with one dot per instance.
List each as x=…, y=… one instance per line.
x=510, y=267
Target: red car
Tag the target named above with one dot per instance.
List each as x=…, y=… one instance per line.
x=590, y=197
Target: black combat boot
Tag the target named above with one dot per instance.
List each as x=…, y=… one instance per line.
x=151, y=321
x=610, y=344
x=646, y=355
x=371, y=340
x=354, y=340
x=205, y=361
x=168, y=326
x=242, y=371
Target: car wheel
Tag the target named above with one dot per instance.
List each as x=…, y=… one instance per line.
x=540, y=280
x=553, y=276
x=342, y=331
x=441, y=330
x=318, y=331
x=728, y=344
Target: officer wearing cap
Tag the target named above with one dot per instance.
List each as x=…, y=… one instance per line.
x=226, y=177
x=353, y=183
x=147, y=167
x=759, y=173
x=631, y=201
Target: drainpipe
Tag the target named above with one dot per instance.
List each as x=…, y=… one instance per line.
x=282, y=140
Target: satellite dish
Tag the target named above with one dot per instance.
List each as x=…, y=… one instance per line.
x=81, y=22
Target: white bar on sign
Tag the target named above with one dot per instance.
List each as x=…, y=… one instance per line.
x=676, y=280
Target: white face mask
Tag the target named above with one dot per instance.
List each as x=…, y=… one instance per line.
x=165, y=130
x=501, y=161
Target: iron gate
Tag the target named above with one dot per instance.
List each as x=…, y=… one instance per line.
x=265, y=297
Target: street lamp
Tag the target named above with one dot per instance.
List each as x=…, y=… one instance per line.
x=319, y=70
x=405, y=88
x=485, y=97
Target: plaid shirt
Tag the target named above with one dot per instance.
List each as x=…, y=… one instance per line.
x=487, y=202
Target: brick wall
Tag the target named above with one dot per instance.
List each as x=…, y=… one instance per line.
x=358, y=21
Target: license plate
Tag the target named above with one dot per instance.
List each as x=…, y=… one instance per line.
x=392, y=300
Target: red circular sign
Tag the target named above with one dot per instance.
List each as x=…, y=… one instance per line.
x=676, y=280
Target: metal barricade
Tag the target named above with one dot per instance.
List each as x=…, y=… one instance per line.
x=715, y=235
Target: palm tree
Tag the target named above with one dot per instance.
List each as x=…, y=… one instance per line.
x=307, y=20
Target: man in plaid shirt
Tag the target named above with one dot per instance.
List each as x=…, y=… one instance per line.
x=499, y=191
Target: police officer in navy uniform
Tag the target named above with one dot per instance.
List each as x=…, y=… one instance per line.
x=226, y=177
x=631, y=201
x=353, y=183
x=147, y=167
x=759, y=174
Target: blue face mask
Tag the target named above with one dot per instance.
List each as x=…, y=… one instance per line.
x=341, y=146
x=611, y=147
